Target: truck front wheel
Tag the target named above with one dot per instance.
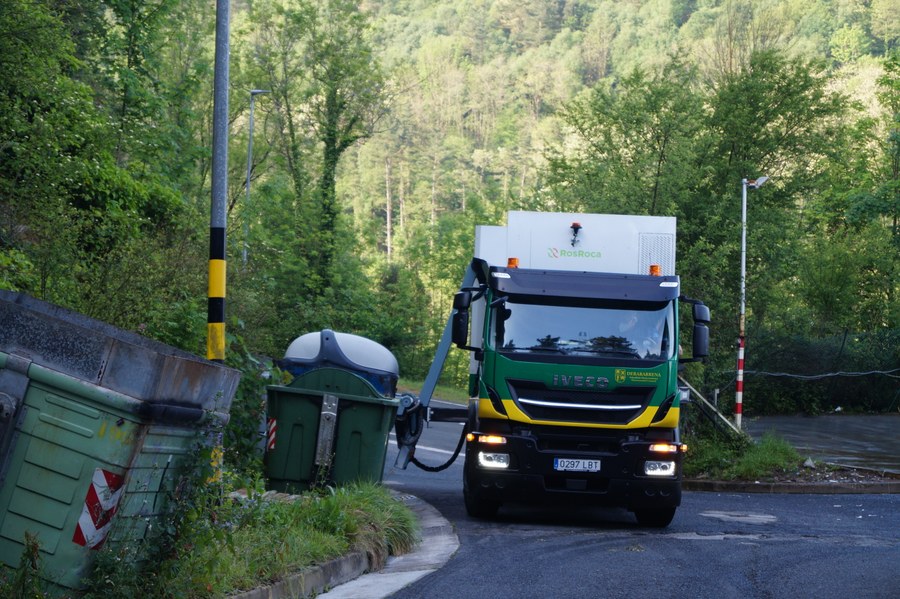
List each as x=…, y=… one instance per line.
x=655, y=517
x=476, y=506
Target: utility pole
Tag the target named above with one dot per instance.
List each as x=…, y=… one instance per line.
x=739, y=389
x=215, y=316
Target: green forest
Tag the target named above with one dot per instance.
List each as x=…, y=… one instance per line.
x=385, y=130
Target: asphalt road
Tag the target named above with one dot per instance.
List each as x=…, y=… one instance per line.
x=719, y=545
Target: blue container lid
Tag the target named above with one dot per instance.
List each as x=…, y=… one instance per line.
x=327, y=348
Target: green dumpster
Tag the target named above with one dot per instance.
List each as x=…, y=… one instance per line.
x=331, y=424
x=95, y=423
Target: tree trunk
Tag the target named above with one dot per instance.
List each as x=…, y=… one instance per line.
x=389, y=212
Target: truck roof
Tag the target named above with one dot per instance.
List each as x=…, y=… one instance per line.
x=594, y=285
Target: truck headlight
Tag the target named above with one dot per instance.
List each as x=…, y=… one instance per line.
x=659, y=468
x=493, y=460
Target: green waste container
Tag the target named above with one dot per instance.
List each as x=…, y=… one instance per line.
x=95, y=423
x=330, y=424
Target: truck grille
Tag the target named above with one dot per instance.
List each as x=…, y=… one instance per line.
x=591, y=406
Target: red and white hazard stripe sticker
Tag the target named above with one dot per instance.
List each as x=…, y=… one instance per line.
x=273, y=428
x=100, y=506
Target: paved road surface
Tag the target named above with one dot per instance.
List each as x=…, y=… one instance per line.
x=719, y=545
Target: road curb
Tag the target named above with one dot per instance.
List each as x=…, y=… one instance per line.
x=314, y=580
x=437, y=543
x=718, y=486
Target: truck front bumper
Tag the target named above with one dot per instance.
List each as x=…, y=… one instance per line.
x=533, y=475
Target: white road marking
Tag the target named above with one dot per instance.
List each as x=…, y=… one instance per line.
x=745, y=517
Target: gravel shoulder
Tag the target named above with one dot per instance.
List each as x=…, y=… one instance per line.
x=809, y=478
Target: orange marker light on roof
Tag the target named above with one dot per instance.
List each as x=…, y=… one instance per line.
x=512, y=263
x=655, y=270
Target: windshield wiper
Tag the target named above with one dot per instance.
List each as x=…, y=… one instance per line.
x=615, y=352
x=558, y=350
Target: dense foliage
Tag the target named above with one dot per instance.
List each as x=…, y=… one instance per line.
x=391, y=128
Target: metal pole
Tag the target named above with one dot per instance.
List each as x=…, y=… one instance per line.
x=253, y=94
x=215, y=319
x=739, y=388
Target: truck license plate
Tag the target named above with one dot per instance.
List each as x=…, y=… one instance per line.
x=576, y=465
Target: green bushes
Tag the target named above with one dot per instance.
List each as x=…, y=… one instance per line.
x=792, y=374
x=728, y=458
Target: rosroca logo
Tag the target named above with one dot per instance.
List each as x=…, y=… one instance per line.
x=560, y=253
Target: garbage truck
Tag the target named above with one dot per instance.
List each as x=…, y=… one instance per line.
x=572, y=322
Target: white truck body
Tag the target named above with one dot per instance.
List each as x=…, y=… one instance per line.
x=604, y=243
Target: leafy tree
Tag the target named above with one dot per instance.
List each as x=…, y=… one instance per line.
x=886, y=22
x=326, y=83
x=849, y=43
x=636, y=153
x=345, y=99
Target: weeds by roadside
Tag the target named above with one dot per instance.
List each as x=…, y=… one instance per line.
x=283, y=537
x=724, y=457
x=25, y=581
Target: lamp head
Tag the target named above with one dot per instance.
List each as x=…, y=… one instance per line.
x=758, y=183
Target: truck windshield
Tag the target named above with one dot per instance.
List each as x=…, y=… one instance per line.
x=638, y=331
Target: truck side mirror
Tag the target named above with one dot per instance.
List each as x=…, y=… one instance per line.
x=462, y=300
x=460, y=324
x=701, y=340
x=701, y=331
x=701, y=313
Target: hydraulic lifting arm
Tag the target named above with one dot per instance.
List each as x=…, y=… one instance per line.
x=413, y=412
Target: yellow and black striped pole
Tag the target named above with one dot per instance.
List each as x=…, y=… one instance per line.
x=215, y=319
x=215, y=314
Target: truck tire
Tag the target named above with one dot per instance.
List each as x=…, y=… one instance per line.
x=478, y=507
x=655, y=517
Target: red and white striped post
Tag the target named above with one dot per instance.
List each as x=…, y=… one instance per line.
x=739, y=387
x=272, y=430
x=739, y=393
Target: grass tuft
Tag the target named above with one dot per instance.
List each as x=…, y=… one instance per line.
x=726, y=458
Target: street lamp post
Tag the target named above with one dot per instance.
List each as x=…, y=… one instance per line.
x=253, y=94
x=739, y=390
